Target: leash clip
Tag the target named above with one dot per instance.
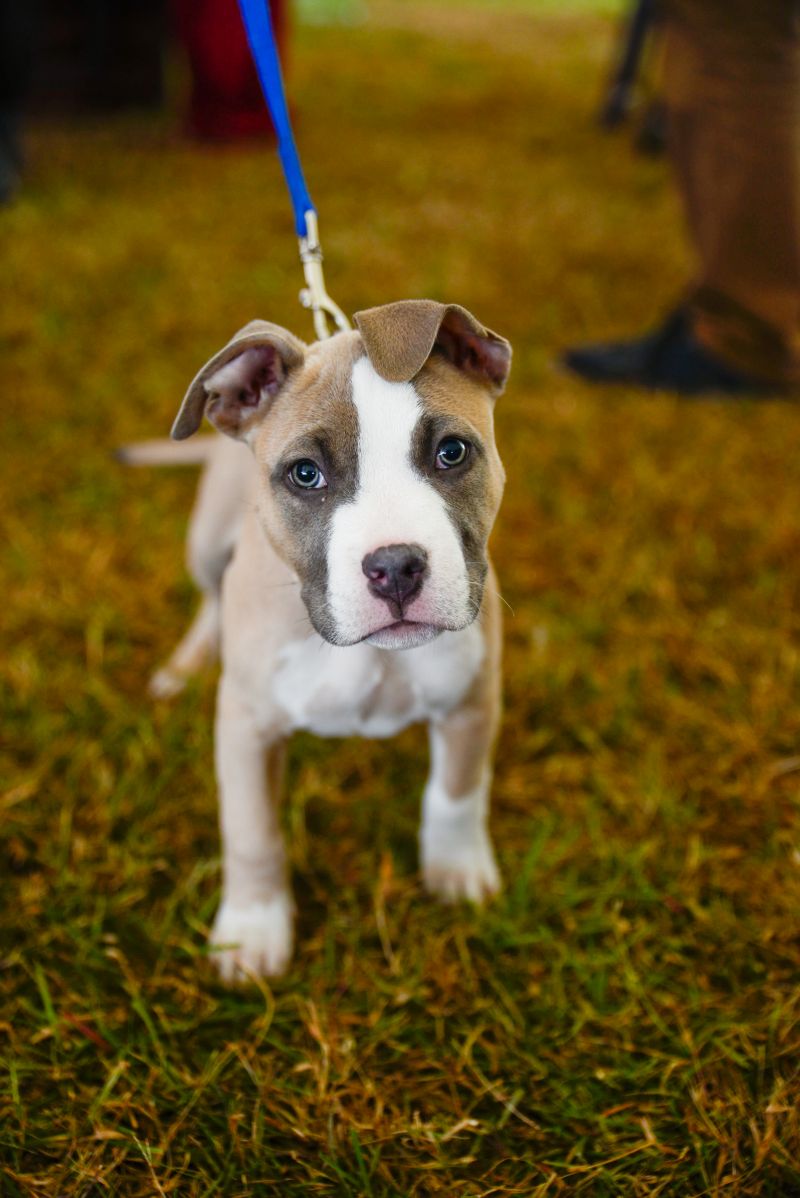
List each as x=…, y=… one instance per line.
x=314, y=295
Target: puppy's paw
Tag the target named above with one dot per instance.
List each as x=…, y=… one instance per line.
x=165, y=684
x=458, y=869
x=250, y=941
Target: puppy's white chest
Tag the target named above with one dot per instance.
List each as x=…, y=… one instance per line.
x=364, y=691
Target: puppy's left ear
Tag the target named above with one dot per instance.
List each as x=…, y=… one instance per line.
x=399, y=338
x=236, y=386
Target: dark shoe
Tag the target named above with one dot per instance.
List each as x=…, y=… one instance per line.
x=669, y=359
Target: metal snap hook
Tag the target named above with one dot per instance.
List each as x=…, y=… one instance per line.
x=314, y=294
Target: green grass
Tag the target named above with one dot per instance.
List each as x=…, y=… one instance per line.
x=624, y=1020
x=324, y=12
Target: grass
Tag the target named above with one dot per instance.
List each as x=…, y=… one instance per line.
x=624, y=1020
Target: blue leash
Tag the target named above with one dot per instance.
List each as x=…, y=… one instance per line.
x=261, y=36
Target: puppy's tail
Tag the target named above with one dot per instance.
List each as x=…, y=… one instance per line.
x=164, y=452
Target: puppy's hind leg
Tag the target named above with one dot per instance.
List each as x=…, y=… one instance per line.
x=213, y=532
x=199, y=647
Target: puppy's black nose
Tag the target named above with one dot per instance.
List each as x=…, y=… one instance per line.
x=396, y=573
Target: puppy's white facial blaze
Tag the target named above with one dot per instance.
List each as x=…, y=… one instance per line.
x=394, y=504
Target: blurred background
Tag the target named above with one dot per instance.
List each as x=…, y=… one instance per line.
x=624, y=1019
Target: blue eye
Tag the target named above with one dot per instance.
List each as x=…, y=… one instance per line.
x=307, y=475
x=451, y=452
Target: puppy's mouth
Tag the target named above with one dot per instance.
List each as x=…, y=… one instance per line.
x=403, y=634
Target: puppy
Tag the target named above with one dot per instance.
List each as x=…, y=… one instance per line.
x=344, y=567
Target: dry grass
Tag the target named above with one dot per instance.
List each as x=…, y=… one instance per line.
x=624, y=1021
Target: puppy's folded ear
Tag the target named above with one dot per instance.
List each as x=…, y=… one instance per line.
x=399, y=339
x=236, y=386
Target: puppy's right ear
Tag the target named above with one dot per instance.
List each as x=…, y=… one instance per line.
x=236, y=386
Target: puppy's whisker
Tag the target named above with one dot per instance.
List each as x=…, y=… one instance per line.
x=503, y=600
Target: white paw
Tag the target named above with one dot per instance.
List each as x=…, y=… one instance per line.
x=460, y=868
x=253, y=941
x=165, y=684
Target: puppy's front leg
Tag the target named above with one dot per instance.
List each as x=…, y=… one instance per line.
x=252, y=932
x=457, y=857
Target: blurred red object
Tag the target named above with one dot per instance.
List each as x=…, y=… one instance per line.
x=226, y=101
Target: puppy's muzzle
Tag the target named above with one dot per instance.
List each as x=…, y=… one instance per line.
x=396, y=573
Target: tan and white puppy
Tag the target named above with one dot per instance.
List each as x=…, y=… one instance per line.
x=355, y=527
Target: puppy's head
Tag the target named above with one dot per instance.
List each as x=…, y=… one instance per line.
x=379, y=480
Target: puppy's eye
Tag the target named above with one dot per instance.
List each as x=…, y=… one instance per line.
x=307, y=475
x=451, y=452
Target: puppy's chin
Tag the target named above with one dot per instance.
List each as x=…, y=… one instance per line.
x=403, y=635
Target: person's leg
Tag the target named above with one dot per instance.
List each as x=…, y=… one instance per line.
x=732, y=79
x=732, y=83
